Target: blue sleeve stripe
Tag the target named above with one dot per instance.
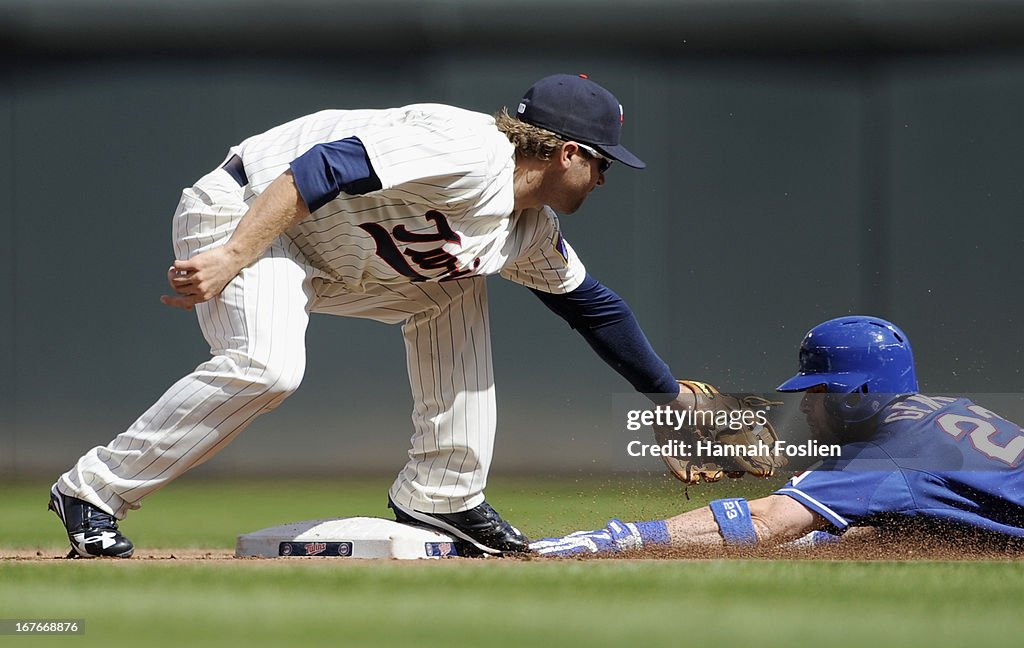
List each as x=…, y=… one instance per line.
x=816, y=506
x=327, y=169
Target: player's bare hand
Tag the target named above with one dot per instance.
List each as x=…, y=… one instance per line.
x=200, y=278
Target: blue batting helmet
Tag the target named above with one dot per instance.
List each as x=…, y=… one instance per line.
x=866, y=361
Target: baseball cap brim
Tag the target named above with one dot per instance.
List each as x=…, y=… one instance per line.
x=620, y=153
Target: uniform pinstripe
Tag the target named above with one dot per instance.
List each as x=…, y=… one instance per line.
x=415, y=253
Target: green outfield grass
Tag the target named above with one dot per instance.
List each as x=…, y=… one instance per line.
x=491, y=603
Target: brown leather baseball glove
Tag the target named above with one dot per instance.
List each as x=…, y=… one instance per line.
x=719, y=434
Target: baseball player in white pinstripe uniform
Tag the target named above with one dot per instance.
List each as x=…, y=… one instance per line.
x=395, y=215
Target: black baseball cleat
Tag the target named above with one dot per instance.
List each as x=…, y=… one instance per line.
x=480, y=529
x=93, y=533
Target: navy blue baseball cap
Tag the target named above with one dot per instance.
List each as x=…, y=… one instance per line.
x=575, y=108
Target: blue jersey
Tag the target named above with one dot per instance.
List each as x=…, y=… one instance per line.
x=931, y=460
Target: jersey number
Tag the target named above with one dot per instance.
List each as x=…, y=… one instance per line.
x=431, y=259
x=980, y=432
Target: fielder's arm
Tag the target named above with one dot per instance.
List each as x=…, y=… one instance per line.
x=314, y=179
x=608, y=325
x=205, y=275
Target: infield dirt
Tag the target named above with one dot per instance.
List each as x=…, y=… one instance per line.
x=889, y=546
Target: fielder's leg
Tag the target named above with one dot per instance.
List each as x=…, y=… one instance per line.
x=448, y=352
x=256, y=331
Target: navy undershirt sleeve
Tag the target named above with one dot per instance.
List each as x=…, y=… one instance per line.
x=606, y=322
x=327, y=169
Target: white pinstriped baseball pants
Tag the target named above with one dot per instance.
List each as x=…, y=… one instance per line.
x=256, y=331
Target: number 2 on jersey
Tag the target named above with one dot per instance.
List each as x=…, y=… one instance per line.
x=980, y=431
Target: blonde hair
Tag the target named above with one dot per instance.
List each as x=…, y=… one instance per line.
x=529, y=140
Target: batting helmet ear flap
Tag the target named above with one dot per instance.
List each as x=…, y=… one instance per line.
x=857, y=406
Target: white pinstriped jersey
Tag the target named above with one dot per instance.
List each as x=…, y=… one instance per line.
x=445, y=209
